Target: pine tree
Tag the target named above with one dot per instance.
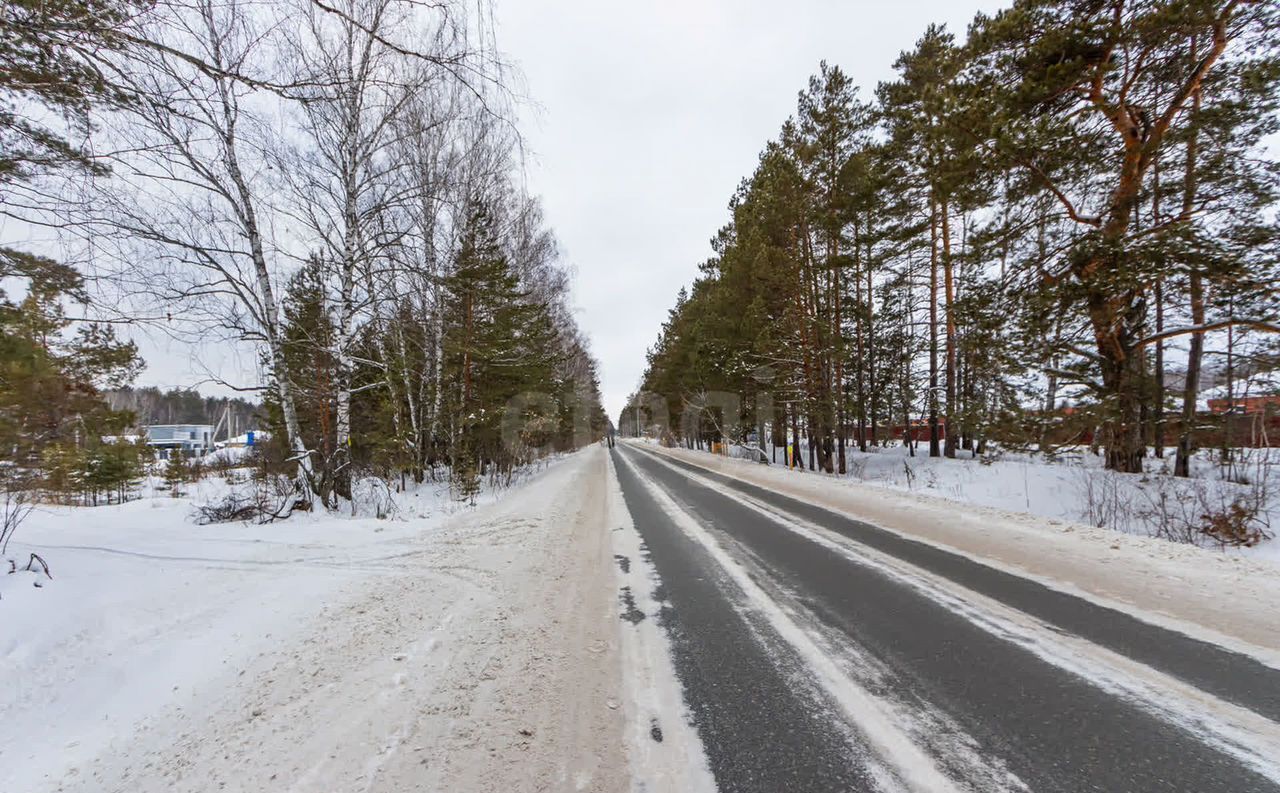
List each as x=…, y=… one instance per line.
x=51, y=413
x=176, y=472
x=499, y=343
x=112, y=470
x=50, y=57
x=831, y=133
x=1040, y=213
x=1085, y=102
x=922, y=110
x=307, y=347
x=49, y=394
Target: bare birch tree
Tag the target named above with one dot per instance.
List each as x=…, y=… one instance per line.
x=183, y=226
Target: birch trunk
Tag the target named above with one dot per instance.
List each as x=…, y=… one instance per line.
x=271, y=319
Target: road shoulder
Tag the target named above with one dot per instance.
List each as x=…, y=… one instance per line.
x=486, y=661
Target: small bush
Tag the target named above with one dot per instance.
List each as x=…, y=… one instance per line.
x=16, y=503
x=176, y=472
x=271, y=498
x=1192, y=511
x=1236, y=526
x=233, y=507
x=372, y=493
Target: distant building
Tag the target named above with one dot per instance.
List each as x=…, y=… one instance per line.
x=193, y=439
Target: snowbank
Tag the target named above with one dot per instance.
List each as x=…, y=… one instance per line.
x=1072, y=487
x=147, y=612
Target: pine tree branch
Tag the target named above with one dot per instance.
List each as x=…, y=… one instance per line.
x=1193, y=82
x=1075, y=378
x=1267, y=326
x=1049, y=184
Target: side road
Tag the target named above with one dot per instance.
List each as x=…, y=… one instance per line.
x=1204, y=593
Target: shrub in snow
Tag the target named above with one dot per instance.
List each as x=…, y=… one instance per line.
x=36, y=566
x=1236, y=526
x=16, y=503
x=262, y=499
x=464, y=480
x=372, y=495
x=1216, y=512
x=231, y=508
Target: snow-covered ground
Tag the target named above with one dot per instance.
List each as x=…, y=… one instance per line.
x=319, y=653
x=146, y=609
x=1075, y=487
x=451, y=648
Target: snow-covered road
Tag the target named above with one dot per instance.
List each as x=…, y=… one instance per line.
x=645, y=620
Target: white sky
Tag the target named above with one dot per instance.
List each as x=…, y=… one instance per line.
x=645, y=116
x=650, y=114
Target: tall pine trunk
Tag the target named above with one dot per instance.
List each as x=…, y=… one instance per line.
x=1157, y=419
x=935, y=449
x=838, y=340
x=1122, y=380
x=949, y=287
x=871, y=345
x=1191, y=386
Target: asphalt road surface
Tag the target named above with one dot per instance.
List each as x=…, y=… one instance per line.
x=817, y=653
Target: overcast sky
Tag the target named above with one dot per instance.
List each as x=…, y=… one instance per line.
x=650, y=114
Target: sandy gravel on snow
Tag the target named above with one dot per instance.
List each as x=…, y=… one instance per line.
x=488, y=662
x=1203, y=592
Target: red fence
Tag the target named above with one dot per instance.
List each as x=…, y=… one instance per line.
x=1251, y=431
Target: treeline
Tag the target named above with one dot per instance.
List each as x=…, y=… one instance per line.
x=1073, y=205
x=337, y=184
x=151, y=405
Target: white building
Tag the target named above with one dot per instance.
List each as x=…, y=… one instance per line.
x=193, y=439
